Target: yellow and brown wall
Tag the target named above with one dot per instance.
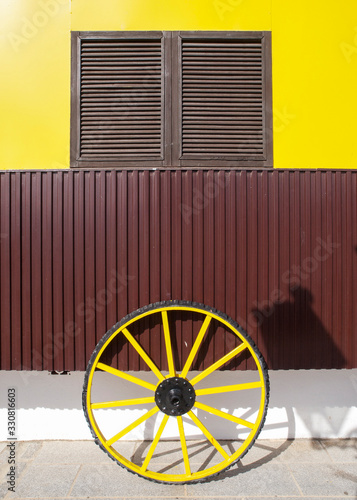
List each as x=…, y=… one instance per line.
x=274, y=248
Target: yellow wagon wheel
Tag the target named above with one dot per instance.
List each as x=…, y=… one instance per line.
x=180, y=414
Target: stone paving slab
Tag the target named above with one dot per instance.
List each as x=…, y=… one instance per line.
x=112, y=480
x=288, y=470
x=304, y=451
x=68, y=452
x=264, y=451
x=48, y=481
x=341, y=450
x=25, y=450
x=3, y=487
x=4, y=454
x=273, y=479
x=295, y=498
x=323, y=479
x=203, y=452
x=171, y=451
x=4, y=470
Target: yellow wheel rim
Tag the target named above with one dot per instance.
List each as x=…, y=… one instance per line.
x=187, y=468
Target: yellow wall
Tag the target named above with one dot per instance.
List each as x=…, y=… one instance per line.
x=315, y=83
x=34, y=84
x=314, y=70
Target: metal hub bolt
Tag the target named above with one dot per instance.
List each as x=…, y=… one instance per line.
x=175, y=396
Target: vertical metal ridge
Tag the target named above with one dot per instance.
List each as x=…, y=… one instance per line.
x=133, y=252
x=242, y=228
x=209, y=260
x=165, y=246
x=16, y=282
x=293, y=281
x=57, y=270
x=220, y=254
x=230, y=282
x=347, y=265
x=271, y=324
x=89, y=261
x=188, y=197
x=353, y=359
x=231, y=246
x=193, y=216
x=44, y=345
x=112, y=271
x=36, y=207
x=5, y=283
x=68, y=270
x=124, y=277
x=252, y=254
x=100, y=294
x=337, y=263
x=262, y=258
x=26, y=251
x=314, y=270
x=144, y=254
x=177, y=260
x=327, y=264
x=80, y=358
x=154, y=284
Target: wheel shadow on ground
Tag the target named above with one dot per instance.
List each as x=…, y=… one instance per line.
x=261, y=452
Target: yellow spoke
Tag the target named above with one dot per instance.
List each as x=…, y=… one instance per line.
x=126, y=376
x=218, y=363
x=170, y=358
x=228, y=388
x=154, y=443
x=222, y=414
x=132, y=426
x=196, y=346
x=208, y=435
x=184, y=446
x=143, y=354
x=123, y=402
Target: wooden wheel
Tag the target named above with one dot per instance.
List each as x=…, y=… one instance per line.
x=176, y=400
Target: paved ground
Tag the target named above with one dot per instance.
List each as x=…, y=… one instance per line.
x=272, y=469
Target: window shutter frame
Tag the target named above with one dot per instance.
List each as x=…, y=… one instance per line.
x=265, y=159
x=77, y=159
x=171, y=100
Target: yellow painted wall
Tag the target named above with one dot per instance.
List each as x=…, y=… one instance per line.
x=34, y=84
x=315, y=83
x=314, y=70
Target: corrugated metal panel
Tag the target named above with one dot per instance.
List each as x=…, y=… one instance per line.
x=276, y=250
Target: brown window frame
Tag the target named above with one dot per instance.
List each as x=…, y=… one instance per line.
x=171, y=102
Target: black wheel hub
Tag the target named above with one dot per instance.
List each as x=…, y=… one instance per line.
x=175, y=396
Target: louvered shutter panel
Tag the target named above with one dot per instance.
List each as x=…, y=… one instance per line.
x=171, y=99
x=225, y=101
x=121, y=99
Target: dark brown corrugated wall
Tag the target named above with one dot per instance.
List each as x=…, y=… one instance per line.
x=276, y=250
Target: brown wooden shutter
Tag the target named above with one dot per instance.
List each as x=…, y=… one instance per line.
x=224, y=99
x=171, y=99
x=119, y=107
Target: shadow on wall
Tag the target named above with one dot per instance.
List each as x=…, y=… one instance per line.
x=292, y=332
